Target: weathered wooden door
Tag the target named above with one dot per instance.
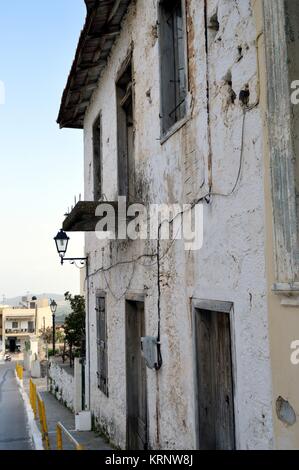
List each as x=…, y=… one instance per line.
x=137, y=430
x=215, y=381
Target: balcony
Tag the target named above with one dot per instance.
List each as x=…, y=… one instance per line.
x=11, y=331
x=83, y=218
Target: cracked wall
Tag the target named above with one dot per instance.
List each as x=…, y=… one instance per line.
x=231, y=264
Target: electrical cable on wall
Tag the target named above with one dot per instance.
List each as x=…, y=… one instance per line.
x=159, y=353
x=118, y=298
x=207, y=198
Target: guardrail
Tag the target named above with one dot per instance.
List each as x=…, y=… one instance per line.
x=43, y=421
x=61, y=429
x=33, y=397
x=37, y=404
x=19, y=371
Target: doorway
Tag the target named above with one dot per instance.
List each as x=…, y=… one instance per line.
x=214, y=376
x=12, y=345
x=137, y=420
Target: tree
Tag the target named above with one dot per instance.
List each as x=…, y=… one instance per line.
x=74, y=325
x=47, y=335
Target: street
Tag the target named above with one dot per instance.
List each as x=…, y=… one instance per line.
x=14, y=433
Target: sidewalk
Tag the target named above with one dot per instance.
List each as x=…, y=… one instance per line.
x=55, y=411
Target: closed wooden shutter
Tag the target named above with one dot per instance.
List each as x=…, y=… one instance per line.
x=102, y=357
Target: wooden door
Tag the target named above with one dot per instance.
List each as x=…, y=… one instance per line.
x=215, y=381
x=102, y=352
x=137, y=430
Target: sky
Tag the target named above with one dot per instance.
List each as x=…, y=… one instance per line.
x=41, y=167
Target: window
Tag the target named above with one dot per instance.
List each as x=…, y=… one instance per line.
x=102, y=356
x=125, y=122
x=97, y=159
x=173, y=62
x=31, y=327
x=15, y=325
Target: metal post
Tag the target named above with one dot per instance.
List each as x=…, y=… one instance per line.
x=53, y=317
x=34, y=400
x=47, y=355
x=43, y=422
x=71, y=352
x=87, y=332
x=61, y=429
x=59, y=437
x=45, y=426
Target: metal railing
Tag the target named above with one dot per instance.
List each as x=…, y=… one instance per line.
x=43, y=421
x=19, y=331
x=33, y=397
x=37, y=404
x=61, y=429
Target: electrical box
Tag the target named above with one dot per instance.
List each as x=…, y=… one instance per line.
x=149, y=348
x=83, y=421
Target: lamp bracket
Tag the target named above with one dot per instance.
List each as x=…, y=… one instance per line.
x=74, y=261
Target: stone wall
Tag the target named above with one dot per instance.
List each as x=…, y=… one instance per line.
x=62, y=384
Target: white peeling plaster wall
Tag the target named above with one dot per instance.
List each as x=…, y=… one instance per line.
x=229, y=267
x=62, y=385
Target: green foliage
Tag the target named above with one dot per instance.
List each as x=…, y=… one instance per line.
x=47, y=335
x=50, y=352
x=74, y=325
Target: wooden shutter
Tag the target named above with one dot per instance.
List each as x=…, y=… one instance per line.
x=102, y=357
x=97, y=158
x=173, y=63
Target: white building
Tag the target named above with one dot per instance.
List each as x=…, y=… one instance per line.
x=168, y=95
x=20, y=324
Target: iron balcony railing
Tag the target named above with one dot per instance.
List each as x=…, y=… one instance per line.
x=19, y=331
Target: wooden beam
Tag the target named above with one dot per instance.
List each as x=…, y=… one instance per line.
x=114, y=10
x=110, y=32
x=91, y=65
x=89, y=87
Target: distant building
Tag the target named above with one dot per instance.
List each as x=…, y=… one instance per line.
x=20, y=324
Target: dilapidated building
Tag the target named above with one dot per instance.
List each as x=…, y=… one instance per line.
x=173, y=102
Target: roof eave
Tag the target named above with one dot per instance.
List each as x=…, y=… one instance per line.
x=101, y=28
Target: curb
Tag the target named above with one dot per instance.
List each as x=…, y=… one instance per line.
x=34, y=431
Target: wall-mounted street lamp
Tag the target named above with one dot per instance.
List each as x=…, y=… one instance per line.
x=53, y=307
x=62, y=241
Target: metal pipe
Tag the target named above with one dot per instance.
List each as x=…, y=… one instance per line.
x=53, y=325
x=210, y=163
x=88, y=326
x=61, y=429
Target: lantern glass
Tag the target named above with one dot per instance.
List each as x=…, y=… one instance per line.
x=53, y=307
x=61, y=241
